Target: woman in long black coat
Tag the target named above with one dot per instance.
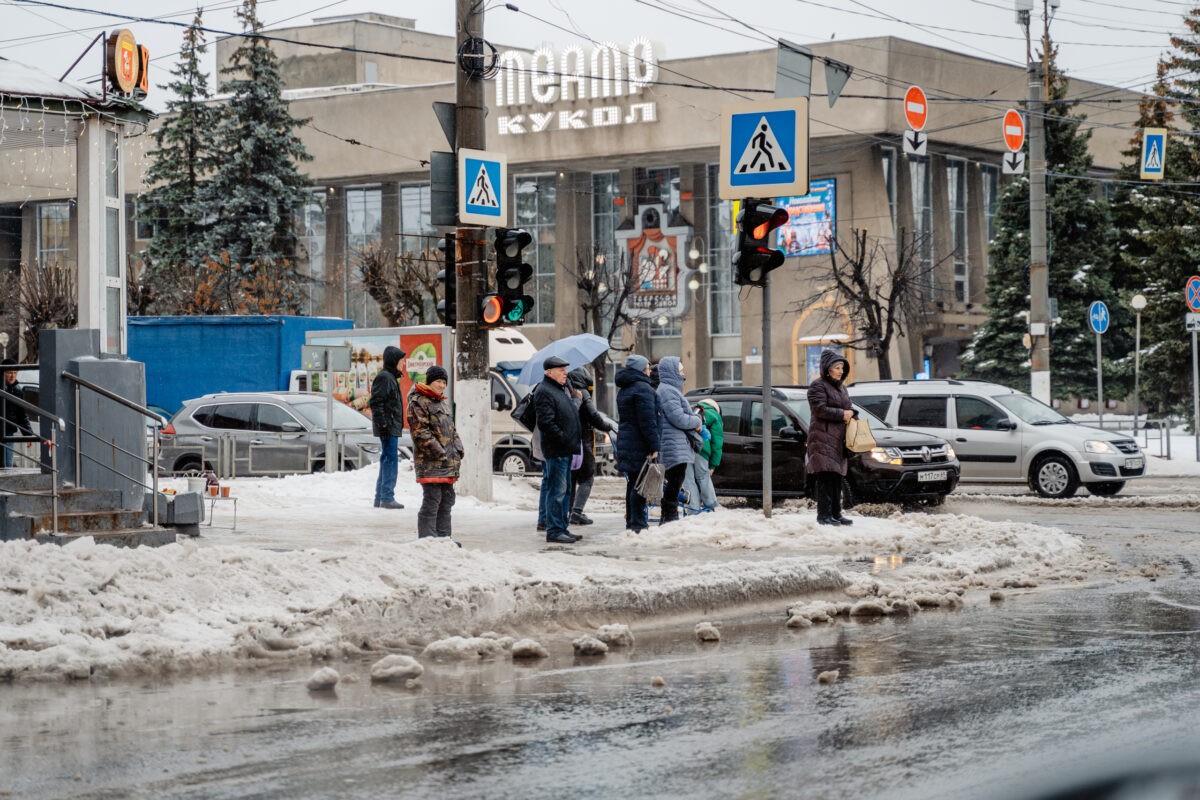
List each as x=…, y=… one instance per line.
x=829, y=404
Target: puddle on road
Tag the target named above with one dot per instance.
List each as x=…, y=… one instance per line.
x=920, y=698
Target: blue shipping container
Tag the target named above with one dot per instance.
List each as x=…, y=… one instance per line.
x=187, y=357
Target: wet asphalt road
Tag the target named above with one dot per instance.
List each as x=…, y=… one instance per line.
x=995, y=700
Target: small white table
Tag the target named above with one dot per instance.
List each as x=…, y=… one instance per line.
x=212, y=504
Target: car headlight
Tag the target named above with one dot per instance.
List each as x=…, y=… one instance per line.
x=886, y=455
x=1097, y=446
x=369, y=448
x=950, y=454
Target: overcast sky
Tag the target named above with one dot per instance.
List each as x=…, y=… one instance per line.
x=1101, y=40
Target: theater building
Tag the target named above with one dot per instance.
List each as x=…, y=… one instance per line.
x=613, y=154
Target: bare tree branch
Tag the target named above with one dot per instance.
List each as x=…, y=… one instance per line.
x=884, y=294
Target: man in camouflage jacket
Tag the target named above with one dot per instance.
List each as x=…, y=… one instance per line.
x=437, y=452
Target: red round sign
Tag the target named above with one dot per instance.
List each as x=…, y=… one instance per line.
x=916, y=109
x=1014, y=130
x=1191, y=291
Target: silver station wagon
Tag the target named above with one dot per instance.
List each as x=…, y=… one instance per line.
x=1005, y=436
x=267, y=433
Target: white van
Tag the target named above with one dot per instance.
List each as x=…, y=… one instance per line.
x=1005, y=436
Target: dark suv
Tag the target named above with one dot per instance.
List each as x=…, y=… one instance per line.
x=906, y=467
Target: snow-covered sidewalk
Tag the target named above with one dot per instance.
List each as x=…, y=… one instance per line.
x=313, y=571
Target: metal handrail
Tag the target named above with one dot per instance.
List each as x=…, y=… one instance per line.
x=60, y=424
x=160, y=421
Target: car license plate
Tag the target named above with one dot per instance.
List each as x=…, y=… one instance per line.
x=932, y=475
x=1135, y=463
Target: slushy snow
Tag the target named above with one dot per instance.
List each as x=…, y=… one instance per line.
x=314, y=572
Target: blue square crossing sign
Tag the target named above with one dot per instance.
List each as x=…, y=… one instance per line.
x=482, y=188
x=764, y=149
x=1154, y=153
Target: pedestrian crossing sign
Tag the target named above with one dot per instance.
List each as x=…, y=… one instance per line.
x=482, y=188
x=1154, y=153
x=764, y=149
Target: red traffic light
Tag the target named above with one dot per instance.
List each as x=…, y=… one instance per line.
x=774, y=217
x=491, y=309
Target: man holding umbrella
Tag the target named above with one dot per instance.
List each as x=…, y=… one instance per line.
x=559, y=428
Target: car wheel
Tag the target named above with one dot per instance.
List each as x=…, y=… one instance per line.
x=190, y=468
x=1106, y=489
x=515, y=462
x=1054, y=477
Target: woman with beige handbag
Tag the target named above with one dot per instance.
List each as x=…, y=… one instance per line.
x=825, y=461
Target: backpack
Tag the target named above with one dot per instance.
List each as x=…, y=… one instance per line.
x=524, y=413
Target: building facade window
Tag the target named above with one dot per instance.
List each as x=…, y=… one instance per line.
x=535, y=202
x=606, y=216
x=889, y=180
x=991, y=198
x=364, y=228
x=724, y=310
x=310, y=247
x=659, y=185
x=922, y=202
x=665, y=327
x=956, y=181
x=53, y=234
x=417, y=233
x=726, y=371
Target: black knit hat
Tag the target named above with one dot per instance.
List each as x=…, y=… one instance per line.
x=436, y=373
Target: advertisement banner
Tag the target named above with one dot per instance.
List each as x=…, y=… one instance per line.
x=812, y=221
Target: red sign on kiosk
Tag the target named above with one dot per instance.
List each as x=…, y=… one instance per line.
x=916, y=108
x=1014, y=130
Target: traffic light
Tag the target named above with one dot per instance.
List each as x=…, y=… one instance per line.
x=509, y=304
x=447, y=307
x=754, y=257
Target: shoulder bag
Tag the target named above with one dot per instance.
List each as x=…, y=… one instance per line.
x=859, y=438
x=650, y=479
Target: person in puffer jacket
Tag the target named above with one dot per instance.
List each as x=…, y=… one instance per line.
x=437, y=452
x=637, y=438
x=676, y=419
x=590, y=420
x=825, y=456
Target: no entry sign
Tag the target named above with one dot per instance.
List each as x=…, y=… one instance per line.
x=916, y=109
x=1014, y=130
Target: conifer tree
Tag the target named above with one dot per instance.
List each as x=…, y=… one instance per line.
x=257, y=183
x=1160, y=241
x=179, y=166
x=1081, y=252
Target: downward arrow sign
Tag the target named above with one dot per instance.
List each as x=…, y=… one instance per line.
x=1014, y=161
x=914, y=143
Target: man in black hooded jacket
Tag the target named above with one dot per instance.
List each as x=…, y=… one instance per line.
x=387, y=420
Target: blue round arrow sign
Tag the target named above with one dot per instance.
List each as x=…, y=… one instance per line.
x=1098, y=316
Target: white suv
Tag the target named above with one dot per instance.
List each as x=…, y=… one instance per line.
x=1005, y=436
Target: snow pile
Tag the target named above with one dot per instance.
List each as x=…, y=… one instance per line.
x=1188, y=501
x=615, y=635
x=589, y=646
x=528, y=648
x=323, y=680
x=457, y=648
x=707, y=632
x=83, y=608
x=396, y=668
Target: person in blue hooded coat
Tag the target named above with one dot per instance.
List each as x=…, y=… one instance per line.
x=637, y=433
x=677, y=420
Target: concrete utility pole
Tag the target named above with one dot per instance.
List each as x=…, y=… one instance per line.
x=471, y=389
x=1039, y=270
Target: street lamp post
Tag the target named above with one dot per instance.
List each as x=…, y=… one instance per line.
x=1138, y=302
